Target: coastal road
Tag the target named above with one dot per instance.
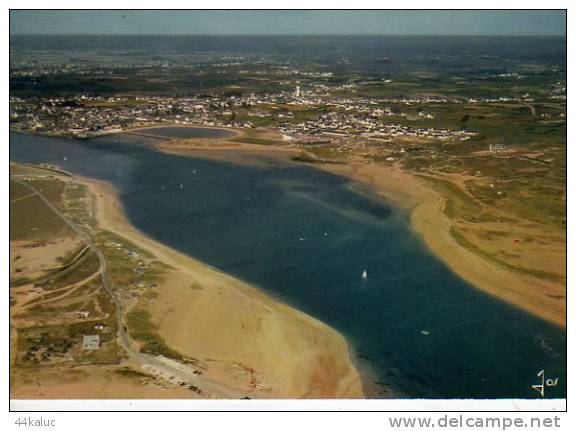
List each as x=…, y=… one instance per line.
x=163, y=367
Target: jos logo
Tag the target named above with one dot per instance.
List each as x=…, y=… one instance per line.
x=544, y=383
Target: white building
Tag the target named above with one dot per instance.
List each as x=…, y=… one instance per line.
x=496, y=148
x=91, y=342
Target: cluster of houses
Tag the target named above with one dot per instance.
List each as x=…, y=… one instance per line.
x=367, y=125
x=85, y=116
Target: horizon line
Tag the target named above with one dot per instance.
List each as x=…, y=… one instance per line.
x=297, y=35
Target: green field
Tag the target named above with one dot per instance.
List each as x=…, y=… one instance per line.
x=31, y=219
x=18, y=191
x=142, y=329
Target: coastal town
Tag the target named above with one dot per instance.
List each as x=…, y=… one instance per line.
x=90, y=116
x=309, y=102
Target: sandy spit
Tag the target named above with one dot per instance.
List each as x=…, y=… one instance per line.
x=247, y=335
x=430, y=222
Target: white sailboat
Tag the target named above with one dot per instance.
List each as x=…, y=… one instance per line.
x=365, y=275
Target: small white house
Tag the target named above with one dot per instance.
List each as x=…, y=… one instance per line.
x=91, y=342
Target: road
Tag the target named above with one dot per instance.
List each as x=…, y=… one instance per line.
x=532, y=109
x=163, y=367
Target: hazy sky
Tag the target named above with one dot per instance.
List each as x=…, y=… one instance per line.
x=288, y=22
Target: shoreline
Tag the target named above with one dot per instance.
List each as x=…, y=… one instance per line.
x=234, y=130
x=404, y=190
x=296, y=355
x=428, y=220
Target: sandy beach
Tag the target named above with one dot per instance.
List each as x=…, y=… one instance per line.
x=234, y=329
x=184, y=146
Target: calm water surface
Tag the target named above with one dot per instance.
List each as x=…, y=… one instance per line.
x=305, y=237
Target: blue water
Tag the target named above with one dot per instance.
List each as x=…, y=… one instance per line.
x=305, y=237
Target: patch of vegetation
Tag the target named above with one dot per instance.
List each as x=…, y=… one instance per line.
x=142, y=328
x=251, y=136
x=20, y=281
x=41, y=310
x=51, y=188
x=130, y=266
x=72, y=256
x=31, y=219
x=18, y=190
x=129, y=372
x=544, y=275
x=459, y=205
x=81, y=269
x=317, y=156
x=490, y=234
x=43, y=344
x=76, y=204
x=109, y=353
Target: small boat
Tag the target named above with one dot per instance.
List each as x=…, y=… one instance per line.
x=425, y=332
x=365, y=275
